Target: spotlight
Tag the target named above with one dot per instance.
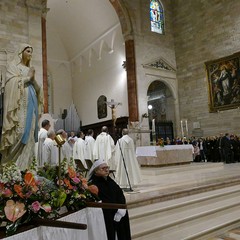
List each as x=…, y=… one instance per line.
x=150, y=107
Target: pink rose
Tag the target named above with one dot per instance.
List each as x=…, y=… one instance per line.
x=36, y=206
x=7, y=193
x=46, y=207
x=76, y=179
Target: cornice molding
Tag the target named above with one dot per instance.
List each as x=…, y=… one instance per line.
x=159, y=64
x=37, y=5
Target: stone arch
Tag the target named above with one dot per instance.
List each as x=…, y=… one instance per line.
x=172, y=87
x=171, y=111
x=127, y=31
x=159, y=95
x=124, y=18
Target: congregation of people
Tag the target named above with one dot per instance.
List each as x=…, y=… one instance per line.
x=223, y=148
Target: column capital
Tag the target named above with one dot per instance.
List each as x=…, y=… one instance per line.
x=37, y=5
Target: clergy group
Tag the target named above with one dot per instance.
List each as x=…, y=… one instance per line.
x=83, y=150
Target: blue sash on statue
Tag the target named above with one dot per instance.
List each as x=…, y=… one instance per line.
x=31, y=108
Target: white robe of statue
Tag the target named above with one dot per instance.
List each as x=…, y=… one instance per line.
x=42, y=135
x=90, y=142
x=104, y=148
x=79, y=149
x=125, y=149
x=50, y=152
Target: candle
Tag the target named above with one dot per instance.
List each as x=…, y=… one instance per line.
x=153, y=125
x=186, y=127
x=182, y=128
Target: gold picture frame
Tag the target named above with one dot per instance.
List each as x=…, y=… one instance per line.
x=223, y=76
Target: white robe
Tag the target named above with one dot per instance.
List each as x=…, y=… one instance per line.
x=50, y=152
x=72, y=140
x=90, y=142
x=66, y=151
x=42, y=135
x=125, y=148
x=79, y=149
x=104, y=148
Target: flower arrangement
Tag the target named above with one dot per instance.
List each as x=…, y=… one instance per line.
x=160, y=142
x=40, y=193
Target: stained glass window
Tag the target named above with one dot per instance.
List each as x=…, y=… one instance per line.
x=156, y=17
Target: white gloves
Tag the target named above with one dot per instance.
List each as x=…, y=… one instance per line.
x=119, y=214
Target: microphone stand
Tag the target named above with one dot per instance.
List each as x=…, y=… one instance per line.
x=130, y=187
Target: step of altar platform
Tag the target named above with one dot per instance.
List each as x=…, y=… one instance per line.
x=163, y=187
x=233, y=234
x=202, y=166
x=199, y=216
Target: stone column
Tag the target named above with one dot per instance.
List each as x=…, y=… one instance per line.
x=177, y=117
x=131, y=81
x=44, y=59
x=35, y=9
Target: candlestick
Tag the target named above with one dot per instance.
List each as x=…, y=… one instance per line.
x=182, y=128
x=186, y=127
x=153, y=125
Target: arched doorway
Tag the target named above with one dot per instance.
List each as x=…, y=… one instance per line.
x=89, y=56
x=160, y=111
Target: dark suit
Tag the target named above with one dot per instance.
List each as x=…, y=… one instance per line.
x=220, y=148
x=226, y=147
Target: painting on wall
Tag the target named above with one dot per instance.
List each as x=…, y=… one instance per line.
x=102, y=107
x=224, y=83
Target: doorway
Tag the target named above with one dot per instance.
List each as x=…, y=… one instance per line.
x=160, y=111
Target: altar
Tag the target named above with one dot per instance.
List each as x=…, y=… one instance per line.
x=93, y=217
x=162, y=156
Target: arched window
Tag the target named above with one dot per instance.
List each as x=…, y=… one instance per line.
x=156, y=16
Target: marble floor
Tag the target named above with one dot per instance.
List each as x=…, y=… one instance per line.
x=160, y=184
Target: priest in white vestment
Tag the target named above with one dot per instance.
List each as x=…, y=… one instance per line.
x=66, y=150
x=72, y=139
x=125, y=152
x=79, y=149
x=50, y=150
x=42, y=135
x=104, y=147
x=90, y=142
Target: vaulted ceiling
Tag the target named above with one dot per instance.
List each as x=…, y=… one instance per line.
x=78, y=23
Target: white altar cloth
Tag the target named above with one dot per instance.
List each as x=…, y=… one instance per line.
x=169, y=154
x=93, y=217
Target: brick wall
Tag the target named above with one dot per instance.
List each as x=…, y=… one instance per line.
x=203, y=31
x=20, y=22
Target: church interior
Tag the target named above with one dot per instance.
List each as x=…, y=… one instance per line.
x=172, y=75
